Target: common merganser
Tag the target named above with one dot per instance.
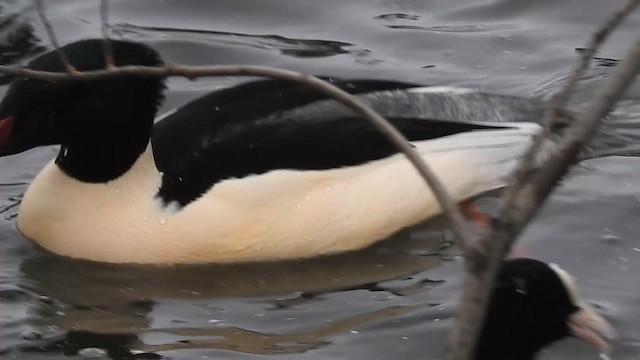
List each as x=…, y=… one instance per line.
x=262, y=171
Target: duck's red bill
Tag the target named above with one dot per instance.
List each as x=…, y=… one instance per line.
x=6, y=125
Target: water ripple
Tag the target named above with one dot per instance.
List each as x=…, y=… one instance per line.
x=302, y=48
x=456, y=28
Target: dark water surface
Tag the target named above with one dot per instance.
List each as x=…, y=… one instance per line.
x=395, y=300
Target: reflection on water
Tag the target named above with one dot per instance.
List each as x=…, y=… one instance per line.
x=124, y=346
x=120, y=309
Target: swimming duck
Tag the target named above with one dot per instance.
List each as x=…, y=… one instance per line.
x=533, y=305
x=265, y=170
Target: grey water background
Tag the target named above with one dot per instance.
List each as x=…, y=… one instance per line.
x=395, y=300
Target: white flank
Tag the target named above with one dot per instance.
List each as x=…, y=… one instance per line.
x=277, y=215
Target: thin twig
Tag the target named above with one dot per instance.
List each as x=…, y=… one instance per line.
x=459, y=224
x=106, y=42
x=52, y=37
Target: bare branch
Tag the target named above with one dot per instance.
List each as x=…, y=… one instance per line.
x=532, y=159
x=52, y=37
x=534, y=180
x=534, y=191
x=559, y=102
x=537, y=187
x=106, y=45
x=461, y=228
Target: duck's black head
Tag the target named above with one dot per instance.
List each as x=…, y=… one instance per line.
x=533, y=305
x=102, y=125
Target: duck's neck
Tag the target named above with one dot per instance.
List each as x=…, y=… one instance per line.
x=98, y=155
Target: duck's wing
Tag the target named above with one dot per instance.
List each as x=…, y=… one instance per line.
x=262, y=126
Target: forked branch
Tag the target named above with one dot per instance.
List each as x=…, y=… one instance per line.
x=52, y=37
x=534, y=179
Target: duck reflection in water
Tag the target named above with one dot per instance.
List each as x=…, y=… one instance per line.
x=124, y=311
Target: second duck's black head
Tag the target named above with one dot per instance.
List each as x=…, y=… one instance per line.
x=102, y=125
x=533, y=305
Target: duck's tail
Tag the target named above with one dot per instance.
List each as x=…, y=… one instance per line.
x=488, y=155
x=619, y=135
